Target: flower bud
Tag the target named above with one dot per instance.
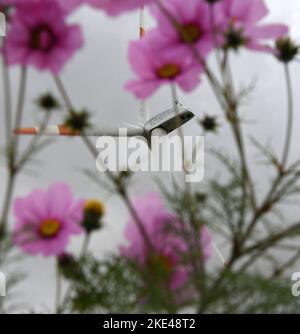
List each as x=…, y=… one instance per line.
x=287, y=50
x=47, y=102
x=94, y=211
x=234, y=38
x=78, y=120
x=209, y=123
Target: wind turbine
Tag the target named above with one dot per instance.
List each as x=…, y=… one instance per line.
x=159, y=125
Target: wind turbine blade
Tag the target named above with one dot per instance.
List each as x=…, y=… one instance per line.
x=132, y=126
x=51, y=130
x=123, y=131
x=26, y=131
x=61, y=130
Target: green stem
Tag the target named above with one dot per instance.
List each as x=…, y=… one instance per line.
x=175, y=102
x=33, y=144
x=58, y=289
x=20, y=109
x=7, y=200
x=268, y=201
x=83, y=252
x=63, y=92
x=214, y=34
x=232, y=111
x=12, y=151
x=289, y=131
x=7, y=97
x=85, y=245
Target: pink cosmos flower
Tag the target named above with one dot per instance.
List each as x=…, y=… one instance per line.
x=46, y=219
x=39, y=36
x=243, y=16
x=162, y=228
x=156, y=63
x=66, y=5
x=4, y=3
x=193, y=18
x=69, y=5
x=116, y=7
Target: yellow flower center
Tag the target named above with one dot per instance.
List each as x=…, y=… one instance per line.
x=168, y=71
x=95, y=207
x=49, y=228
x=191, y=33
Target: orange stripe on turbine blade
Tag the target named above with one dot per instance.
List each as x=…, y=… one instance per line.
x=142, y=32
x=142, y=22
x=64, y=131
x=61, y=131
x=25, y=131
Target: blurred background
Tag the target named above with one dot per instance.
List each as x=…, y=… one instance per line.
x=95, y=79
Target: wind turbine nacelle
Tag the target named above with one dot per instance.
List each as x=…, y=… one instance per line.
x=169, y=120
x=166, y=122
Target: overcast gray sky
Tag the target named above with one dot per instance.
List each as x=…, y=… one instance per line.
x=95, y=79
